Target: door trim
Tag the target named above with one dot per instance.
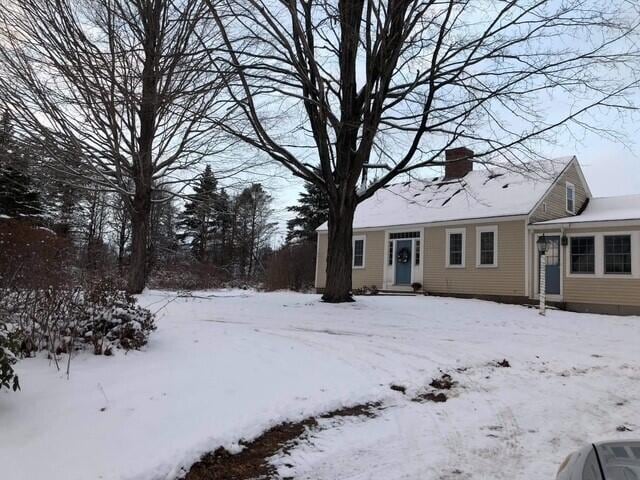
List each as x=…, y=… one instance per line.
x=417, y=271
x=536, y=268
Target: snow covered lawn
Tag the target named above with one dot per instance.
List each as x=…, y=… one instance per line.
x=230, y=365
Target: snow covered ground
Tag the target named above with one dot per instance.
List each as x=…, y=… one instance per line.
x=230, y=364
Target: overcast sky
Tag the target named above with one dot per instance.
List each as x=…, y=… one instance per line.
x=611, y=169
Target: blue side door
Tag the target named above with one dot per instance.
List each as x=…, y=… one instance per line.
x=403, y=262
x=553, y=265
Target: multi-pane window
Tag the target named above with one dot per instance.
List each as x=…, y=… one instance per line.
x=617, y=254
x=583, y=255
x=553, y=251
x=358, y=252
x=455, y=249
x=487, y=248
x=571, y=198
x=417, y=254
x=401, y=235
x=390, y=259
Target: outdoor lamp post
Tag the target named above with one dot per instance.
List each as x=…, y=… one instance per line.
x=542, y=250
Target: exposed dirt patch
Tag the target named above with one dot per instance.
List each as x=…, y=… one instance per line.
x=399, y=388
x=252, y=462
x=363, y=410
x=444, y=382
x=503, y=363
x=430, y=397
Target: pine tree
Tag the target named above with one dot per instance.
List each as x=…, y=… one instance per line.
x=18, y=197
x=198, y=220
x=311, y=212
x=163, y=240
x=223, y=238
x=254, y=229
x=66, y=199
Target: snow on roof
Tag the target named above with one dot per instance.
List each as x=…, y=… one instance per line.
x=604, y=209
x=479, y=194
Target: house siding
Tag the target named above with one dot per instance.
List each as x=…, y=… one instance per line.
x=505, y=280
x=607, y=289
x=371, y=274
x=555, y=199
x=599, y=293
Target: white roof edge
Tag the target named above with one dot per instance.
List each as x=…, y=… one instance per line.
x=498, y=218
x=562, y=222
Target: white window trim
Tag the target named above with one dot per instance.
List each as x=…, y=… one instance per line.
x=599, y=255
x=452, y=231
x=572, y=187
x=597, y=266
x=634, y=253
x=479, y=231
x=353, y=251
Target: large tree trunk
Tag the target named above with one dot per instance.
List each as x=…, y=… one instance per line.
x=339, y=253
x=140, y=216
x=143, y=162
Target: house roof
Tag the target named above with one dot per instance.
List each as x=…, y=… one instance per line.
x=604, y=209
x=479, y=194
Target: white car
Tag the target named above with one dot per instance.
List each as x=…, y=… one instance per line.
x=603, y=461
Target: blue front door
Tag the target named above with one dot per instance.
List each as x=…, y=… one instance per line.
x=403, y=262
x=553, y=265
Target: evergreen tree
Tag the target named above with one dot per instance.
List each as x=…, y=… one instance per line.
x=66, y=199
x=254, y=229
x=198, y=220
x=18, y=197
x=163, y=239
x=223, y=238
x=311, y=212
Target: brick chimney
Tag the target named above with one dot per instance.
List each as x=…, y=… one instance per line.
x=458, y=162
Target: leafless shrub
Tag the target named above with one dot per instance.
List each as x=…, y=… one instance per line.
x=8, y=377
x=292, y=267
x=64, y=319
x=188, y=276
x=32, y=256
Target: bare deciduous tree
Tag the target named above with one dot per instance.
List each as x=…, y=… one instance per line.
x=330, y=87
x=121, y=83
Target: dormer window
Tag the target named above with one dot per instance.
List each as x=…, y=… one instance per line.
x=571, y=198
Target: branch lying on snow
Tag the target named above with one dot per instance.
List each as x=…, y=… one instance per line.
x=209, y=297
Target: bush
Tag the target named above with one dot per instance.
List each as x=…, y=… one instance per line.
x=372, y=290
x=114, y=319
x=188, y=276
x=31, y=256
x=8, y=378
x=292, y=267
x=62, y=319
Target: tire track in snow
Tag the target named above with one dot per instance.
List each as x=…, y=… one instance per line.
x=462, y=449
